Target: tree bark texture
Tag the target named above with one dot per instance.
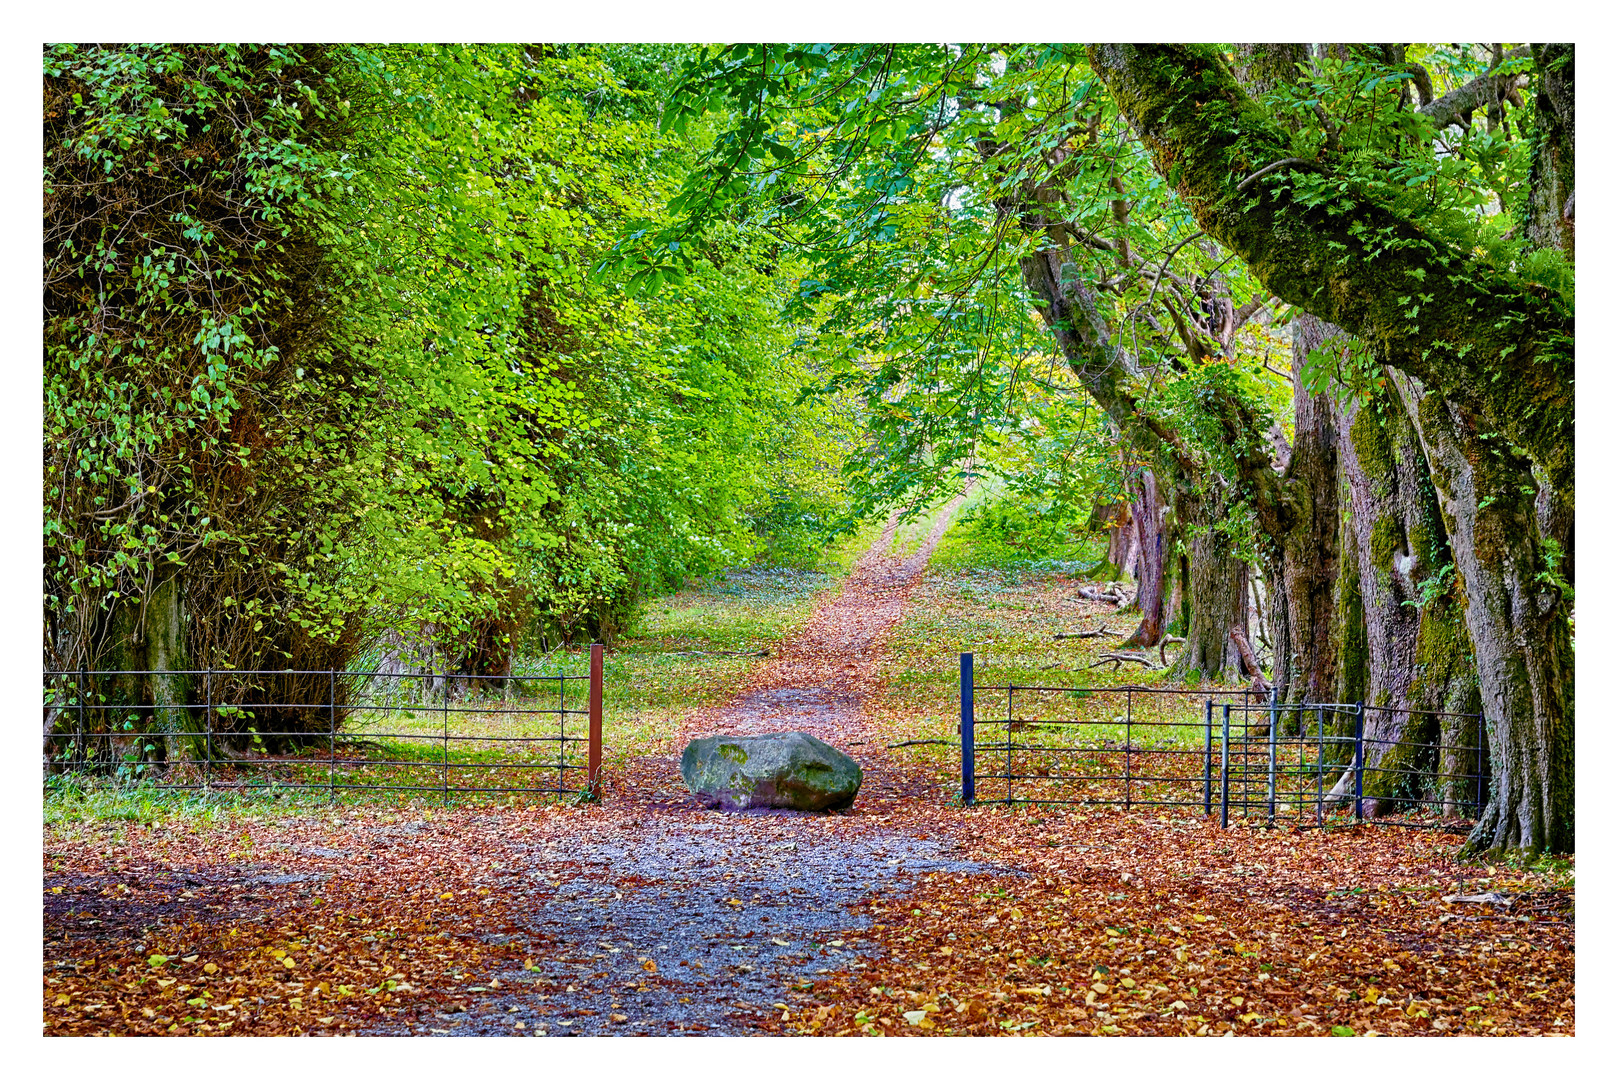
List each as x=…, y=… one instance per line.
x=1517, y=621
x=1219, y=602
x=1550, y=178
x=1147, y=510
x=1308, y=536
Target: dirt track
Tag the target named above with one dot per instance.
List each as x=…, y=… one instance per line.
x=645, y=915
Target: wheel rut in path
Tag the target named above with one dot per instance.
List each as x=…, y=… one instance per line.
x=737, y=913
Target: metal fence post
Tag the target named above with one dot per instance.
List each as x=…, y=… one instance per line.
x=1129, y=709
x=331, y=709
x=1224, y=773
x=1359, y=760
x=1320, y=764
x=1274, y=724
x=444, y=770
x=1207, y=757
x=968, y=735
x=207, y=727
x=597, y=662
x=78, y=742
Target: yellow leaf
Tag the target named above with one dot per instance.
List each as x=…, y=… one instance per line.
x=211, y=968
x=289, y=962
x=62, y=999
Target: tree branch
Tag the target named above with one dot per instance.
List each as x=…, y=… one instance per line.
x=1457, y=106
x=1489, y=343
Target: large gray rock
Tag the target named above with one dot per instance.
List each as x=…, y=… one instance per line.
x=789, y=770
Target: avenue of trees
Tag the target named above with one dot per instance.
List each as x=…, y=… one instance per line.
x=422, y=350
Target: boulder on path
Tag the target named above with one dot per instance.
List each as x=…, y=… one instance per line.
x=788, y=770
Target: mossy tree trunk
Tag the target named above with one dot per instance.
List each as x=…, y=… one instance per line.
x=1304, y=544
x=1495, y=354
x=1481, y=338
x=1219, y=598
x=1517, y=618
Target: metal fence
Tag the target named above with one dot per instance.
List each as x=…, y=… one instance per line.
x=1239, y=752
x=375, y=731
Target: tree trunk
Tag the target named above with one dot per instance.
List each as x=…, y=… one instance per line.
x=1518, y=623
x=1218, y=602
x=1348, y=618
x=1483, y=339
x=1309, y=551
x=1147, y=509
x=1550, y=177
x=1114, y=518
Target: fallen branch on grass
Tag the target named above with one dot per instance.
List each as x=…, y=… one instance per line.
x=918, y=742
x=1102, y=632
x=1164, y=644
x=1117, y=659
x=1110, y=594
x=712, y=652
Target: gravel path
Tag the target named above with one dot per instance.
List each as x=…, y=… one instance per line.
x=696, y=921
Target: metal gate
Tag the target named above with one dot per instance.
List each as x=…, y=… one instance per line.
x=1240, y=752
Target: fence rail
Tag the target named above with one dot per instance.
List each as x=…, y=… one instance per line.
x=373, y=731
x=1238, y=750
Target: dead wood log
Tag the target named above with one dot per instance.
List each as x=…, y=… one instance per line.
x=1102, y=632
x=1118, y=658
x=1110, y=594
x=1249, y=661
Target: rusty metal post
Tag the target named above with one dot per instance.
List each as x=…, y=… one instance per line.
x=597, y=659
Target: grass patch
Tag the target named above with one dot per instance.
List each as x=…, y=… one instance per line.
x=1005, y=606
x=689, y=651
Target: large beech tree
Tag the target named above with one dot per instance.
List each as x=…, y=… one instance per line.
x=1436, y=490
x=1479, y=355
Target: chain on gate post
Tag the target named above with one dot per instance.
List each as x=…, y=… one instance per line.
x=1224, y=773
x=968, y=735
x=1207, y=757
x=1359, y=760
x=597, y=663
